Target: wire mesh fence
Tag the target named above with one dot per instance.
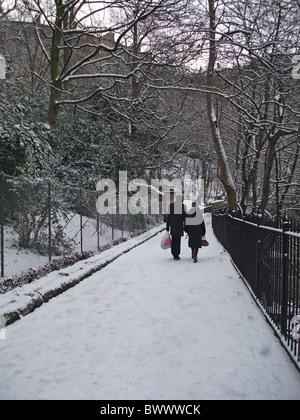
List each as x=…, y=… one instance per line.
x=42, y=221
x=267, y=255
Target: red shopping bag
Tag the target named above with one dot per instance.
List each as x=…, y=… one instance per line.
x=166, y=241
x=204, y=242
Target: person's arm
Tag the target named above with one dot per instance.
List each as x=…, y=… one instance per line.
x=168, y=218
x=184, y=216
x=203, y=229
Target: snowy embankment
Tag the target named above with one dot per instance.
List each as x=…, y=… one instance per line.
x=23, y=300
x=19, y=260
x=148, y=327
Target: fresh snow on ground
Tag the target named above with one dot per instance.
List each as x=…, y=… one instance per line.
x=149, y=327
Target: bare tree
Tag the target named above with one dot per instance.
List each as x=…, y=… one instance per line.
x=261, y=38
x=142, y=57
x=225, y=173
x=90, y=47
x=6, y=7
x=252, y=100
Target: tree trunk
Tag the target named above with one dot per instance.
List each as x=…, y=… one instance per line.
x=267, y=176
x=290, y=179
x=225, y=174
x=56, y=85
x=271, y=152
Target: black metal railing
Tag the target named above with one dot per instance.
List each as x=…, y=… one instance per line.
x=267, y=255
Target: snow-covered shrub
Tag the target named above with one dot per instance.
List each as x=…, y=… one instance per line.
x=23, y=130
x=87, y=150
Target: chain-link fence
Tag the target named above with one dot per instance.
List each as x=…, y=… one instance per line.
x=42, y=221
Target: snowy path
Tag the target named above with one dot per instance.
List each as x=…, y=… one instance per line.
x=148, y=327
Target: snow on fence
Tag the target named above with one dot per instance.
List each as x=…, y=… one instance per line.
x=43, y=222
x=267, y=256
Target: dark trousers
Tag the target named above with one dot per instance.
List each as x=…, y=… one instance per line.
x=175, y=247
x=195, y=252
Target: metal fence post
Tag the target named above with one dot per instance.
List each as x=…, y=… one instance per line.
x=98, y=231
x=285, y=260
x=98, y=222
x=2, y=222
x=244, y=245
x=81, y=224
x=49, y=222
x=258, y=245
x=234, y=225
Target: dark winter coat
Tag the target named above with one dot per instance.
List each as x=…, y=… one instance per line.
x=175, y=222
x=195, y=231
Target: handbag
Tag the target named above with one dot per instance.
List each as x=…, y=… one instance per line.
x=166, y=241
x=204, y=242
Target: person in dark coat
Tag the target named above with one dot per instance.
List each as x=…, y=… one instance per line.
x=195, y=228
x=175, y=224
